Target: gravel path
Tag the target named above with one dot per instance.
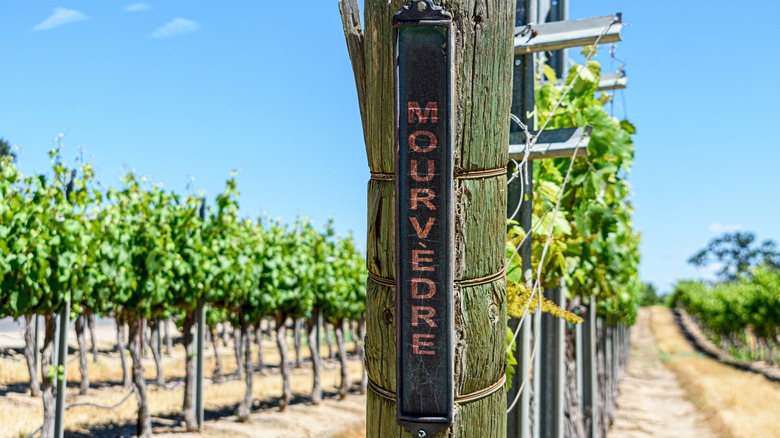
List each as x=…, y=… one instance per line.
x=651, y=402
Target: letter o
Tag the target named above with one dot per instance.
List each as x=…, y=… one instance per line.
x=430, y=135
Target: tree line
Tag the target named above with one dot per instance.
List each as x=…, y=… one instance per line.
x=740, y=311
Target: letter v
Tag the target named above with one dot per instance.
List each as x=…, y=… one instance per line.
x=422, y=234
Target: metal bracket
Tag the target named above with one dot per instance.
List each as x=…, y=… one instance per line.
x=559, y=35
x=609, y=81
x=558, y=143
x=419, y=10
x=613, y=81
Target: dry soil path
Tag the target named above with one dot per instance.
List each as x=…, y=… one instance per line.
x=651, y=402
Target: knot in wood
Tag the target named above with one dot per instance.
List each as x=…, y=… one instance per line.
x=493, y=312
x=388, y=317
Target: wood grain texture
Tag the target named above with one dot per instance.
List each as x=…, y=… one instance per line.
x=353, y=33
x=483, y=69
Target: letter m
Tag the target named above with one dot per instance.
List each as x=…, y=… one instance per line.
x=431, y=110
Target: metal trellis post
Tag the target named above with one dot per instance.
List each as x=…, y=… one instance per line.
x=590, y=404
x=200, y=320
x=62, y=362
x=200, y=333
x=533, y=36
x=518, y=421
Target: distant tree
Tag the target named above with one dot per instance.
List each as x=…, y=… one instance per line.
x=650, y=295
x=737, y=252
x=5, y=149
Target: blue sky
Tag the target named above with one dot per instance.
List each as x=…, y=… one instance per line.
x=187, y=91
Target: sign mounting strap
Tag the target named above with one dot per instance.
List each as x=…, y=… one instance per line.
x=459, y=174
x=468, y=282
x=461, y=400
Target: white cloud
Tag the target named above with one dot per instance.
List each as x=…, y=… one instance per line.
x=137, y=7
x=717, y=227
x=60, y=17
x=177, y=26
x=710, y=272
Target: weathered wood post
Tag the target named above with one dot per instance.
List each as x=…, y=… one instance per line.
x=482, y=59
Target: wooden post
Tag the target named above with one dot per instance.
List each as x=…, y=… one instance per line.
x=482, y=74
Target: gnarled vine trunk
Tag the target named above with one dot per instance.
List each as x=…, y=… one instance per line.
x=144, y=418
x=245, y=407
x=225, y=334
x=237, y=348
x=341, y=328
x=284, y=363
x=168, y=339
x=122, y=347
x=217, y=354
x=362, y=353
x=156, y=348
x=328, y=340
x=143, y=338
x=30, y=352
x=259, y=342
x=48, y=375
x=82, y=341
x=353, y=334
x=188, y=406
x=316, y=363
x=297, y=327
x=92, y=335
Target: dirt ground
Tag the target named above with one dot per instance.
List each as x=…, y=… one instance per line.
x=20, y=414
x=651, y=402
x=736, y=403
x=333, y=418
x=670, y=390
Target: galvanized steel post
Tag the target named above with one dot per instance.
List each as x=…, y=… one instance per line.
x=62, y=362
x=200, y=321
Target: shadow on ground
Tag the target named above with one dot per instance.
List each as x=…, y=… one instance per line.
x=175, y=423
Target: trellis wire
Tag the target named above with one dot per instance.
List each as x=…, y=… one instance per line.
x=94, y=405
x=537, y=283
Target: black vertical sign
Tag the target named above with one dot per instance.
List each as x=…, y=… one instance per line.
x=424, y=217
